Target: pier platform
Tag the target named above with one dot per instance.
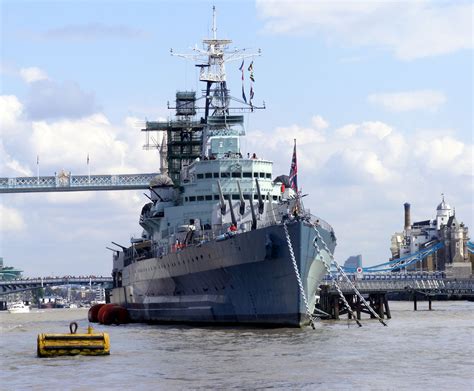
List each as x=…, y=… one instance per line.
x=377, y=293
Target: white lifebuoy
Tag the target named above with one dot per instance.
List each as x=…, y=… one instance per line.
x=359, y=270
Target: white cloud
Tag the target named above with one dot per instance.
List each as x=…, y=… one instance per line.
x=427, y=100
x=10, y=220
x=445, y=154
x=33, y=74
x=359, y=175
x=11, y=110
x=410, y=29
x=319, y=123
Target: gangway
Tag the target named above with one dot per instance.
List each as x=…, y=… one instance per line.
x=66, y=182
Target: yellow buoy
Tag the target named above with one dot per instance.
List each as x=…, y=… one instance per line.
x=89, y=344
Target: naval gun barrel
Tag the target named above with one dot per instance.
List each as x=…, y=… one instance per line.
x=260, y=200
x=119, y=245
x=221, y=197
x=232, y=214
x=242, y=200
x=252, y=210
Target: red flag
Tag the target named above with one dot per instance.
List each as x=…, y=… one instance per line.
x=294, y=171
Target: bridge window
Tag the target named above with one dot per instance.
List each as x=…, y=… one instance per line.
x=216, y=197
x=235, y=196
x=262, y=175
x=208, y=174
x=192, y=198
x=209, y=198
x=200, y=198
x=200, y=176
x=236, y=175
x=246, y=196
x=255, y=174
x=225, y=174
x=216, y=175
x=247, y=174
x=186, y=199
x=268, y=175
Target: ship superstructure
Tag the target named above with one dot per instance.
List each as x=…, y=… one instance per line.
x=224, y=240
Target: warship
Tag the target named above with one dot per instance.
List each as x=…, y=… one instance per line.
x=224, y=240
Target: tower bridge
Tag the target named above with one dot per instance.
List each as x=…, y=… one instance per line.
x=26, y=284
x=65, y=181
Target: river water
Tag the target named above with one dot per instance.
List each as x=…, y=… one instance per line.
x=423, y=350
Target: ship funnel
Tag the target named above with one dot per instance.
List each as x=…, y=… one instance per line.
x=242, y=200
x=221, y=198
x=260, y=200
x=407, y=215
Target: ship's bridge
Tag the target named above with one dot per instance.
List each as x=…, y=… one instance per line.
x=200, y=180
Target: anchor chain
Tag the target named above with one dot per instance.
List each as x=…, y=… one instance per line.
x=336, y=285
x=298, y=277
x=339, y=268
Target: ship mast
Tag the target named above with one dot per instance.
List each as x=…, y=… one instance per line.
x=211, y=60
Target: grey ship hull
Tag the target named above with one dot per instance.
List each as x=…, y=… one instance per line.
x=247, y=279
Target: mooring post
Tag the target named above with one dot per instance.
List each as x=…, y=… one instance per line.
x=372, y=304
x=358, y=308
x=336, y=307
x=429, y=302
x=380, y=306
x=387, y=308
x=350, y=301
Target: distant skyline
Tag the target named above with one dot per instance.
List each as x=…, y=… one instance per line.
x=379, y=96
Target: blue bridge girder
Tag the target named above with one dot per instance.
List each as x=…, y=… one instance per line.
x=400, y=263
x=470, y=247
x=26, y=284
x=63, y=182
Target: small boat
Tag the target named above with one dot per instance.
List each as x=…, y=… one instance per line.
x=18, y=308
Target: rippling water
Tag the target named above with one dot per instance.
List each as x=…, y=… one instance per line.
x=418, y=351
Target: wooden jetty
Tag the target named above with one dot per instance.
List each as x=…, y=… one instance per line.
x=377, y=292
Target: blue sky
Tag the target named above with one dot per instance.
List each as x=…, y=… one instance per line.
x=378, y=94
